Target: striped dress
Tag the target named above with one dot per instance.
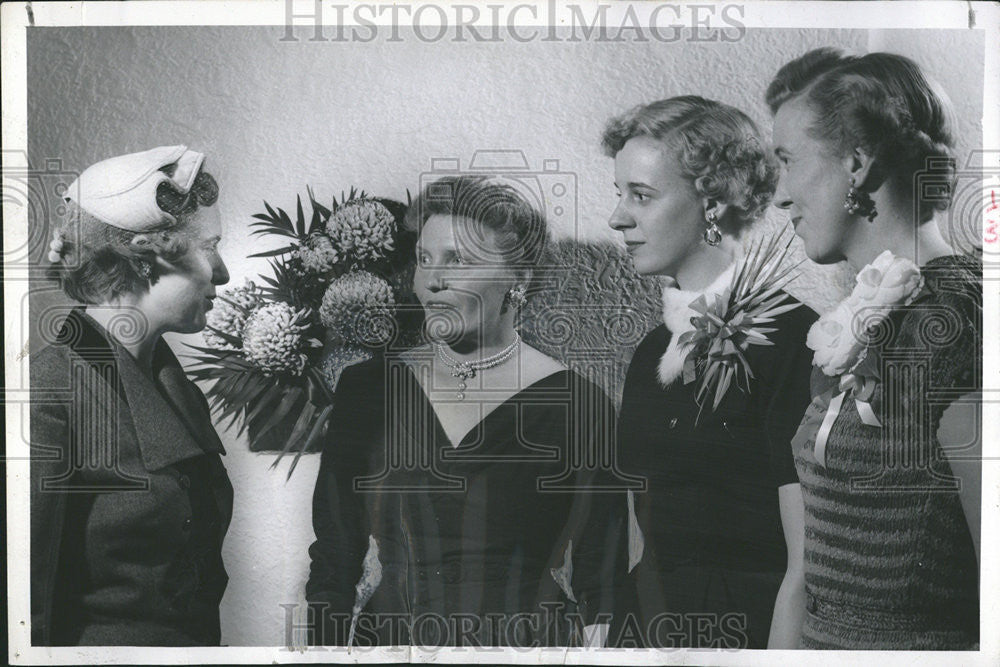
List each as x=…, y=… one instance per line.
x=890, y=562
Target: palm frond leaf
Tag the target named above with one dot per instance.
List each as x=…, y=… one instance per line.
x=317, y=431
x=288, y=400
x=274, y=253
x=302, y=425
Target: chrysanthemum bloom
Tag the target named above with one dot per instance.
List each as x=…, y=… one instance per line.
x=362, y=229
x=229, y=318
x=356, y=309
x=317, y=253
x=272, y=339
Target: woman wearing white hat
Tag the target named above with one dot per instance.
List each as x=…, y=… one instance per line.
x=130, y=501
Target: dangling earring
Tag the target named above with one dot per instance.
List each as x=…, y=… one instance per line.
x=145, y=269
x=713, y=235
x=517, y=296
x=858, y=202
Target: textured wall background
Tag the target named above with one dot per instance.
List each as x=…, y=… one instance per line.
x=274, y=116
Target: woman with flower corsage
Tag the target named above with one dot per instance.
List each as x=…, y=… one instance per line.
x=130, y=501
x=712, y=396
x=446, y=510
x=887, y=450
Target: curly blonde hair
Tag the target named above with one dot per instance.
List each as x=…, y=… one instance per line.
x=718, y=147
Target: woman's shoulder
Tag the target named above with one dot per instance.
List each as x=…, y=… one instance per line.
x=953, y=279
x=942, y=327
x=786, y=355
x=49, y=357
x=549, y=374
x=50, y=371
x=793, y=325
x=652, y=346
x=641, y=378
x=363, y=377
x=948, y=305
x=944, y=318
x=50, y=365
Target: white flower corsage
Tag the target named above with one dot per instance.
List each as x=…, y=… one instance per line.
x=839, y=337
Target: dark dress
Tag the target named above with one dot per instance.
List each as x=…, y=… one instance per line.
x=714, y=553
x=130, y=501
x=889, y=559
x=468, y=537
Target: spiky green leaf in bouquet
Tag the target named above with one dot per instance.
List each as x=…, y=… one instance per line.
x=727, y=324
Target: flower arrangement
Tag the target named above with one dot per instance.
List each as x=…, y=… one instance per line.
x=728, y=324
x=274, y=348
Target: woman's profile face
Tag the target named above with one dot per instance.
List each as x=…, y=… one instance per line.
x=184, y=289
x=812, y=185
x=460, y=278
x=659, y=212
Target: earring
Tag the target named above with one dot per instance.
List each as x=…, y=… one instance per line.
x=859, y=203
x=517, y=296
x=713, y=235
x=145, y=269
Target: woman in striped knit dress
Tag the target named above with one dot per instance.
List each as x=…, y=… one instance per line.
x=890, y=483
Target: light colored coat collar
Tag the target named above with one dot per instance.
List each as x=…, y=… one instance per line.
x=677, y=316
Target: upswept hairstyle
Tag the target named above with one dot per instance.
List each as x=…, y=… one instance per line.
x=718, y=147
x=884, y=104
x=519, y=229
x=100, y=262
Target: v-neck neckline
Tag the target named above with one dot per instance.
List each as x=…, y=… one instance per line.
x=478, y=426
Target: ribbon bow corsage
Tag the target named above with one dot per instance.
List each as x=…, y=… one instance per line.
x=822, y=413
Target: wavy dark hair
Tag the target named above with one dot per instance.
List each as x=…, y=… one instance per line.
x=518, y=227
x=885, y=104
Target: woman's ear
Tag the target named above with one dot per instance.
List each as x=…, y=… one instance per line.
x=864, y=169
x=164, y=267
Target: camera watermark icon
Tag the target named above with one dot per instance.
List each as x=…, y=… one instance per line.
x=971, y=224
x=552, y=191
x=33, y=206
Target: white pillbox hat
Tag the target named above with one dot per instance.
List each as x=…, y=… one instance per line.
x=121, y=191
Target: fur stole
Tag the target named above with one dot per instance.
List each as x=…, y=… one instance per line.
x=677, y=317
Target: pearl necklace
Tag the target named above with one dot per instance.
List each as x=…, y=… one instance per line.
x=465, y=370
